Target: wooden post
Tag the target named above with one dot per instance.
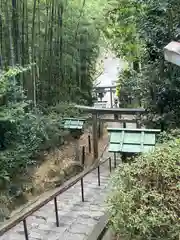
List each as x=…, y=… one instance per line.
x=99, y=128
x=77, y=150
x=123, y=157
x=116, y=117
x=138, y=122
x=95, y=136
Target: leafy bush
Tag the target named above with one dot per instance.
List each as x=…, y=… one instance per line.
x=139, y=30
x=129, y=88
x=167, y=136
x=25, y=131
x=145, y=198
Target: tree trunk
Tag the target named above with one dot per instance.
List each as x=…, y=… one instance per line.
x=61, y=41
x=50, y=79
x=33, y=85
x=8, y=24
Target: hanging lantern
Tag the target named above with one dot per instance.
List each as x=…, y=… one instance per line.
x=172, y=53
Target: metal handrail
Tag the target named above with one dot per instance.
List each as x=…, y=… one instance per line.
x=52, y=195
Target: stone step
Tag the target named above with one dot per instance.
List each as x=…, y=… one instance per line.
x=77, y=219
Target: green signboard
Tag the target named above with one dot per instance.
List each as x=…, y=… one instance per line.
x=73, y=123
x=132, y=140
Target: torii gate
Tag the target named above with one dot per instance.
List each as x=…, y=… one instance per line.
x=112, y=111
x=104, y=89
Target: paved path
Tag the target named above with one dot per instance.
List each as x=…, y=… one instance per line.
x=77, y=218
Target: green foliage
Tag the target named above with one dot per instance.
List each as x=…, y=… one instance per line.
x=171, y=135
x=62, y=38
x=6, y=84
x=122, y=30
x=25, y=131
x=144, y=202
x=61, y=41
x=156, y=23
x=129, y=87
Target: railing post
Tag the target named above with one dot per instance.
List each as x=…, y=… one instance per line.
x=56, y=211
x=99, y=182
x=110, y=164
x=82, y=183
x=89, y=143
x=95, y=136
x=82, y=189
x=25, y=229
x=83, y=155
x=114, y=160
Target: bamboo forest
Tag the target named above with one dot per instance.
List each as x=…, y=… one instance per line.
x=77, y=79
